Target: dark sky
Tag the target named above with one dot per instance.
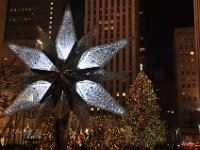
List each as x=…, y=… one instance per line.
x=160, y=19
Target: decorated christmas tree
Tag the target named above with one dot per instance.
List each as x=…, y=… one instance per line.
x=48, y=133
x=144, y=120
x=105, y=133
x=102, y=133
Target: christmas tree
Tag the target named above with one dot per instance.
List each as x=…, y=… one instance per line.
x=144, y=120
x=105, y=134
x=102, y=133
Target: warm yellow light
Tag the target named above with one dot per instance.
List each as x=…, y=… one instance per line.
x=39, y=41
x=51, y=12
x=142, y=49
x=30, y=97
x=124, y=94
x=117, y=94
x=50, y=17
x=50, y=22
x=92, y=109
x=49, y=27
x=51, y=8
x=191, y=53
x=51, y=3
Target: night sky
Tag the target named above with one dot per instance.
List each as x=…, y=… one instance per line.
x=159, y=20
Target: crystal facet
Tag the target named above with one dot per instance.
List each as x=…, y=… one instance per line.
x=67, y=69
x=34, y=58
x=66, y=36
x=94, y=94
x=98, y=56
x=30, y=97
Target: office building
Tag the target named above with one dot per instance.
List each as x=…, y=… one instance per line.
x=24, y=16
x=116, y=19
x=187, y=84
x=3, y=10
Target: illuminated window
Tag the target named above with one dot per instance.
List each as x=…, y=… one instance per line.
x=141, y=67
x=141, y=12
x=49, y=32
x=51, y=3
x=51, y=8
x=123, y=94
x=50, y=17
x=39, y=44
x=51, y=12
x=191, y=53
x=142, y=49
x=183, y=93
x=50, y=22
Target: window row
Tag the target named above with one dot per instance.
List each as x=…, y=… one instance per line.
x=190, y=99
x=188, y=85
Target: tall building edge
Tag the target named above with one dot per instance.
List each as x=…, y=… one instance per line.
x=187, y=85
x=116, y=19
x=3, y=12
x=197, y=36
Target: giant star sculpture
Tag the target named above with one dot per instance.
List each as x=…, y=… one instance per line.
x=67, y=71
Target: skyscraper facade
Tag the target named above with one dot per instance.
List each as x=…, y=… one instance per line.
x=3, y=10
x=23, y=18
x=197, y=25
x=116, y=19
x=187, y=84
